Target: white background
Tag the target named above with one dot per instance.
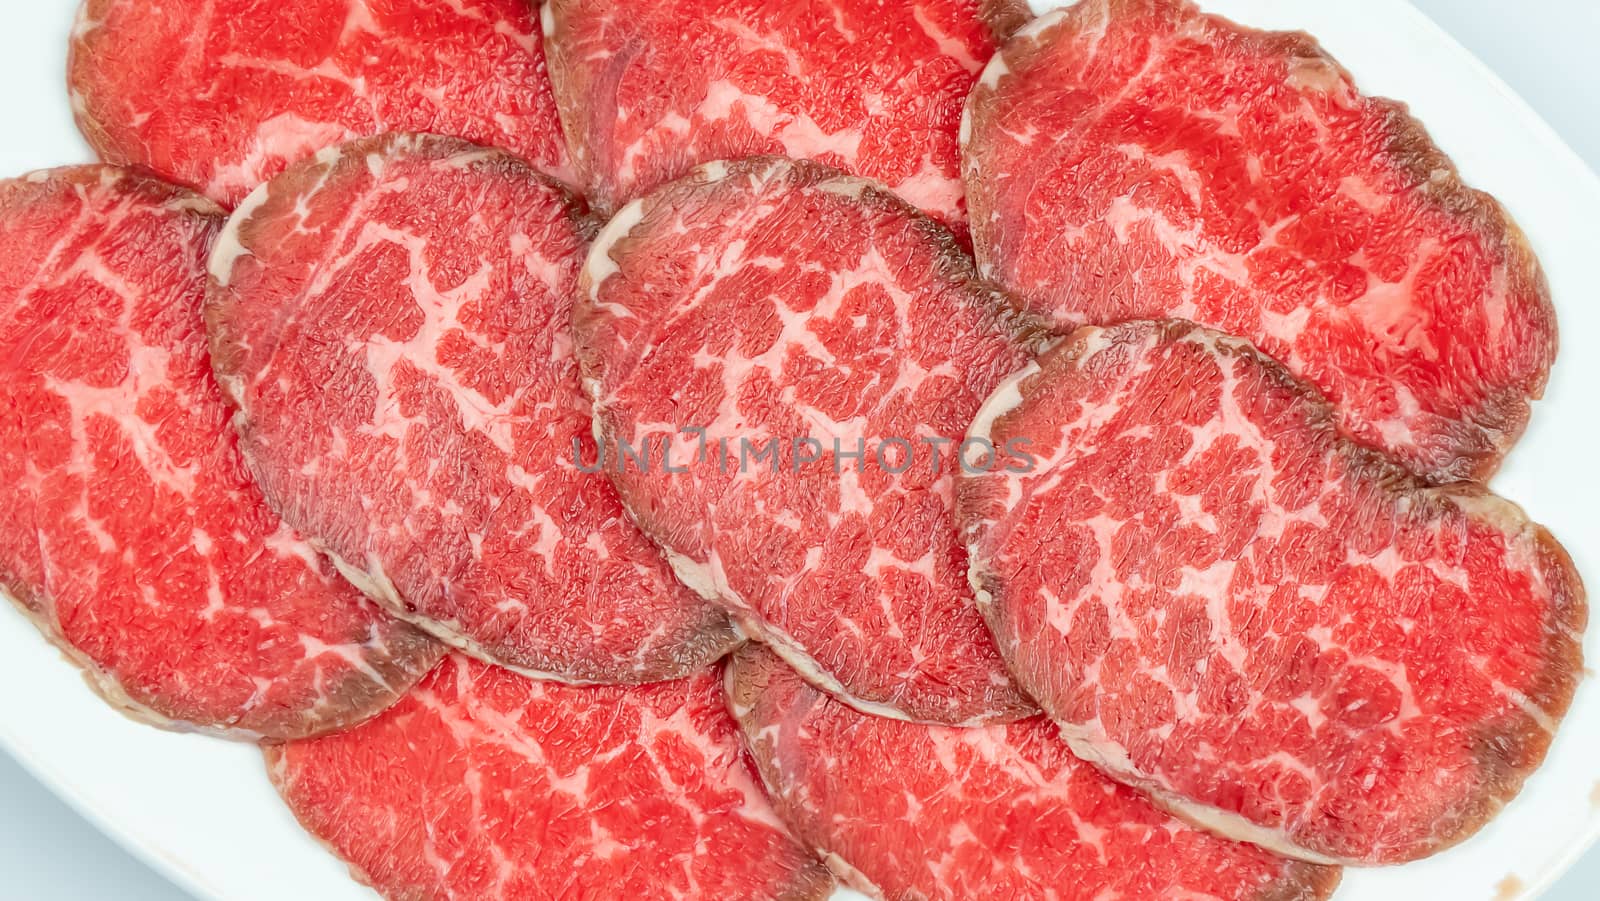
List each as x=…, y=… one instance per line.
x=1545, y=49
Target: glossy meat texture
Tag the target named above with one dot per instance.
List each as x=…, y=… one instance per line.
x=483, y=785
x=796, y=344
x=1271, y=629
x=393, y=319
x=222, y=95
x=132, y=533
x=649, y=89
x=907, y=811
x=1132, y=159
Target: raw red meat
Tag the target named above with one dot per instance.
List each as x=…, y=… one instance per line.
x=224, y=94
x=481, y=784
x=1273, y=630
x=907, y=811
x=132, y=534
x=649, y=89
x=1133, y=159
x=393, y=319
x=803, y=324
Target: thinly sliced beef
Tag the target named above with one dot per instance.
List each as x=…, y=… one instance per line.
x=132, y=534
x=1271, y=629
x=804, y=350
x=222, y=95
x=1131, y=159
x=650, y=89
x=908, y=811
x=393, y=319
x=482, y=784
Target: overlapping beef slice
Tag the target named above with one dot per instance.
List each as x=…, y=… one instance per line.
x=782, y=358
x=483, y=784
x=1136, y=159
x=132, y=534
x=393, y=319
x=648, y=90
x=1272, y=630
x=903, y=810
x=222, y=95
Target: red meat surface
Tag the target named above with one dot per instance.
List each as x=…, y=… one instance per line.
x=393, y=319
x=650, y=89
x=222, y=95
x=1271, y=629
x=1135, y=159
x=908, y=811
x=788, y=339
x=482, y=784
x=132, y=534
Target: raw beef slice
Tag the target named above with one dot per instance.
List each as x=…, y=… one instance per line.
x=482, y=784
x=224, y=94
x=132, y=534
x=804, y=351
x=650, y=89
x=1133, y=159
x=393, y=319
x=1274, y=631
x=907, y=811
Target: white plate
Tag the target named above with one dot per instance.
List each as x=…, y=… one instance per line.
x=201, y=810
